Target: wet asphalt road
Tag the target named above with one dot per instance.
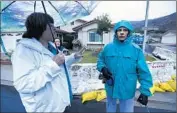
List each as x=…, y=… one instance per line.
x=94, y=106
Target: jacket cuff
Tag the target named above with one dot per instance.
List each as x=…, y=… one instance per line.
x=100, y=68
x=146, y=92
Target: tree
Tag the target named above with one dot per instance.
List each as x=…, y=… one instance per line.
x=104, y=24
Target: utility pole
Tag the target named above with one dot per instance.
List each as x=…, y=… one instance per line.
x=146, y=23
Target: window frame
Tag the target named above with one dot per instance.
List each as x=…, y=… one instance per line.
x=94, y=42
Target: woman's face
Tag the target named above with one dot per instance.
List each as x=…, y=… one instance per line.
x=57, y=42
x=47, y=34
x=122, y=33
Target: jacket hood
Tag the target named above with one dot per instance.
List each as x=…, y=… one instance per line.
x=125, y=24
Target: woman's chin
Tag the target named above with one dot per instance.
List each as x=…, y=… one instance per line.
x=121, y=39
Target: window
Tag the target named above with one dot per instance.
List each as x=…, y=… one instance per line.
x=94, y=37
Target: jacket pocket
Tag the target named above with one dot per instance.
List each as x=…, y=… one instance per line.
x=111, y=60
x=129, y=63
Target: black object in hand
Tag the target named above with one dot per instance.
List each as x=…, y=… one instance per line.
x=143, y=99
x=106, y=73
x=106, y=77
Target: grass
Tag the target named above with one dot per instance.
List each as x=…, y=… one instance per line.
x=149, y=58
x=88, y=58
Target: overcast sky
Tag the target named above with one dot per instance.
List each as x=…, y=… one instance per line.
x=132, y=10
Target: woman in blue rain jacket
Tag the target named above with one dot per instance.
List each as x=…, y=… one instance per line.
x=124, y=61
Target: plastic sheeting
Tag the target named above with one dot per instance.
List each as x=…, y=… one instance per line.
x=13, y=18
x=85, y=76
x=165, y=53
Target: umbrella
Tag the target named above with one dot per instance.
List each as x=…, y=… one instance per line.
x=14, y=13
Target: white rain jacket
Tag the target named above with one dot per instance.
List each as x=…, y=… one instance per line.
x=41, y=83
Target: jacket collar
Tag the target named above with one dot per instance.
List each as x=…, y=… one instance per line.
x=126, y=41
x=35, y=45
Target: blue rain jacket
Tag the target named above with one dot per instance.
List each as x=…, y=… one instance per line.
x=127, y=64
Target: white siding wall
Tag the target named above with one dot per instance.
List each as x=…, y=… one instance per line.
x=83, y=36
x=92, y=26
x=169, y=38
x=93, y=46
x=106, y=38
x=111, y=35
x=69, y=27
x=83, y=33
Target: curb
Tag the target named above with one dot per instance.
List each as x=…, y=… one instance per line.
x=157, y=101
x=150, y=100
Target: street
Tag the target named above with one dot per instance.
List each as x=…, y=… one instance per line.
x=11, y=102
x=94, y=106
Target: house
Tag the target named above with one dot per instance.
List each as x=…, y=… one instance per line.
x=69, y=27
x=66, y=34
x=169, y=37
x=88, y=36
x=154, y=37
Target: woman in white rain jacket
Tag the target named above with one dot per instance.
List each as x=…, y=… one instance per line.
x=40, y=76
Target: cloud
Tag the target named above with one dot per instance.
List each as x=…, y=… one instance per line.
x=133, y=10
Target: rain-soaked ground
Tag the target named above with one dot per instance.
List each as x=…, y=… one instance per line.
x=94, y=106
x=11, y=102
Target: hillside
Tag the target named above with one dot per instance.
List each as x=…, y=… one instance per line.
x=163, y=23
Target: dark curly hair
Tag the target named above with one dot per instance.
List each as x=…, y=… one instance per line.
x=36, y=24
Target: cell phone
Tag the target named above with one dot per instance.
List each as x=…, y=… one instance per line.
x=82, y=50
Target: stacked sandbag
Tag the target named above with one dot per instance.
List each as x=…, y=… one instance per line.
x=89, y=96
x=156, y=88
x=165, y=86
x=101, y=94
x=168, y=86
x=94, y=95
x=172, y=83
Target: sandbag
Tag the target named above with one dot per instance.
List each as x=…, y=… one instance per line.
x=173, y=77
x=89, y=96
x=172, y=83
x=101, y=94
x=156, y=89
x=156, y=84
x=166, y=87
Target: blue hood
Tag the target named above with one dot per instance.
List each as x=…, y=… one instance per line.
x=125, y=24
